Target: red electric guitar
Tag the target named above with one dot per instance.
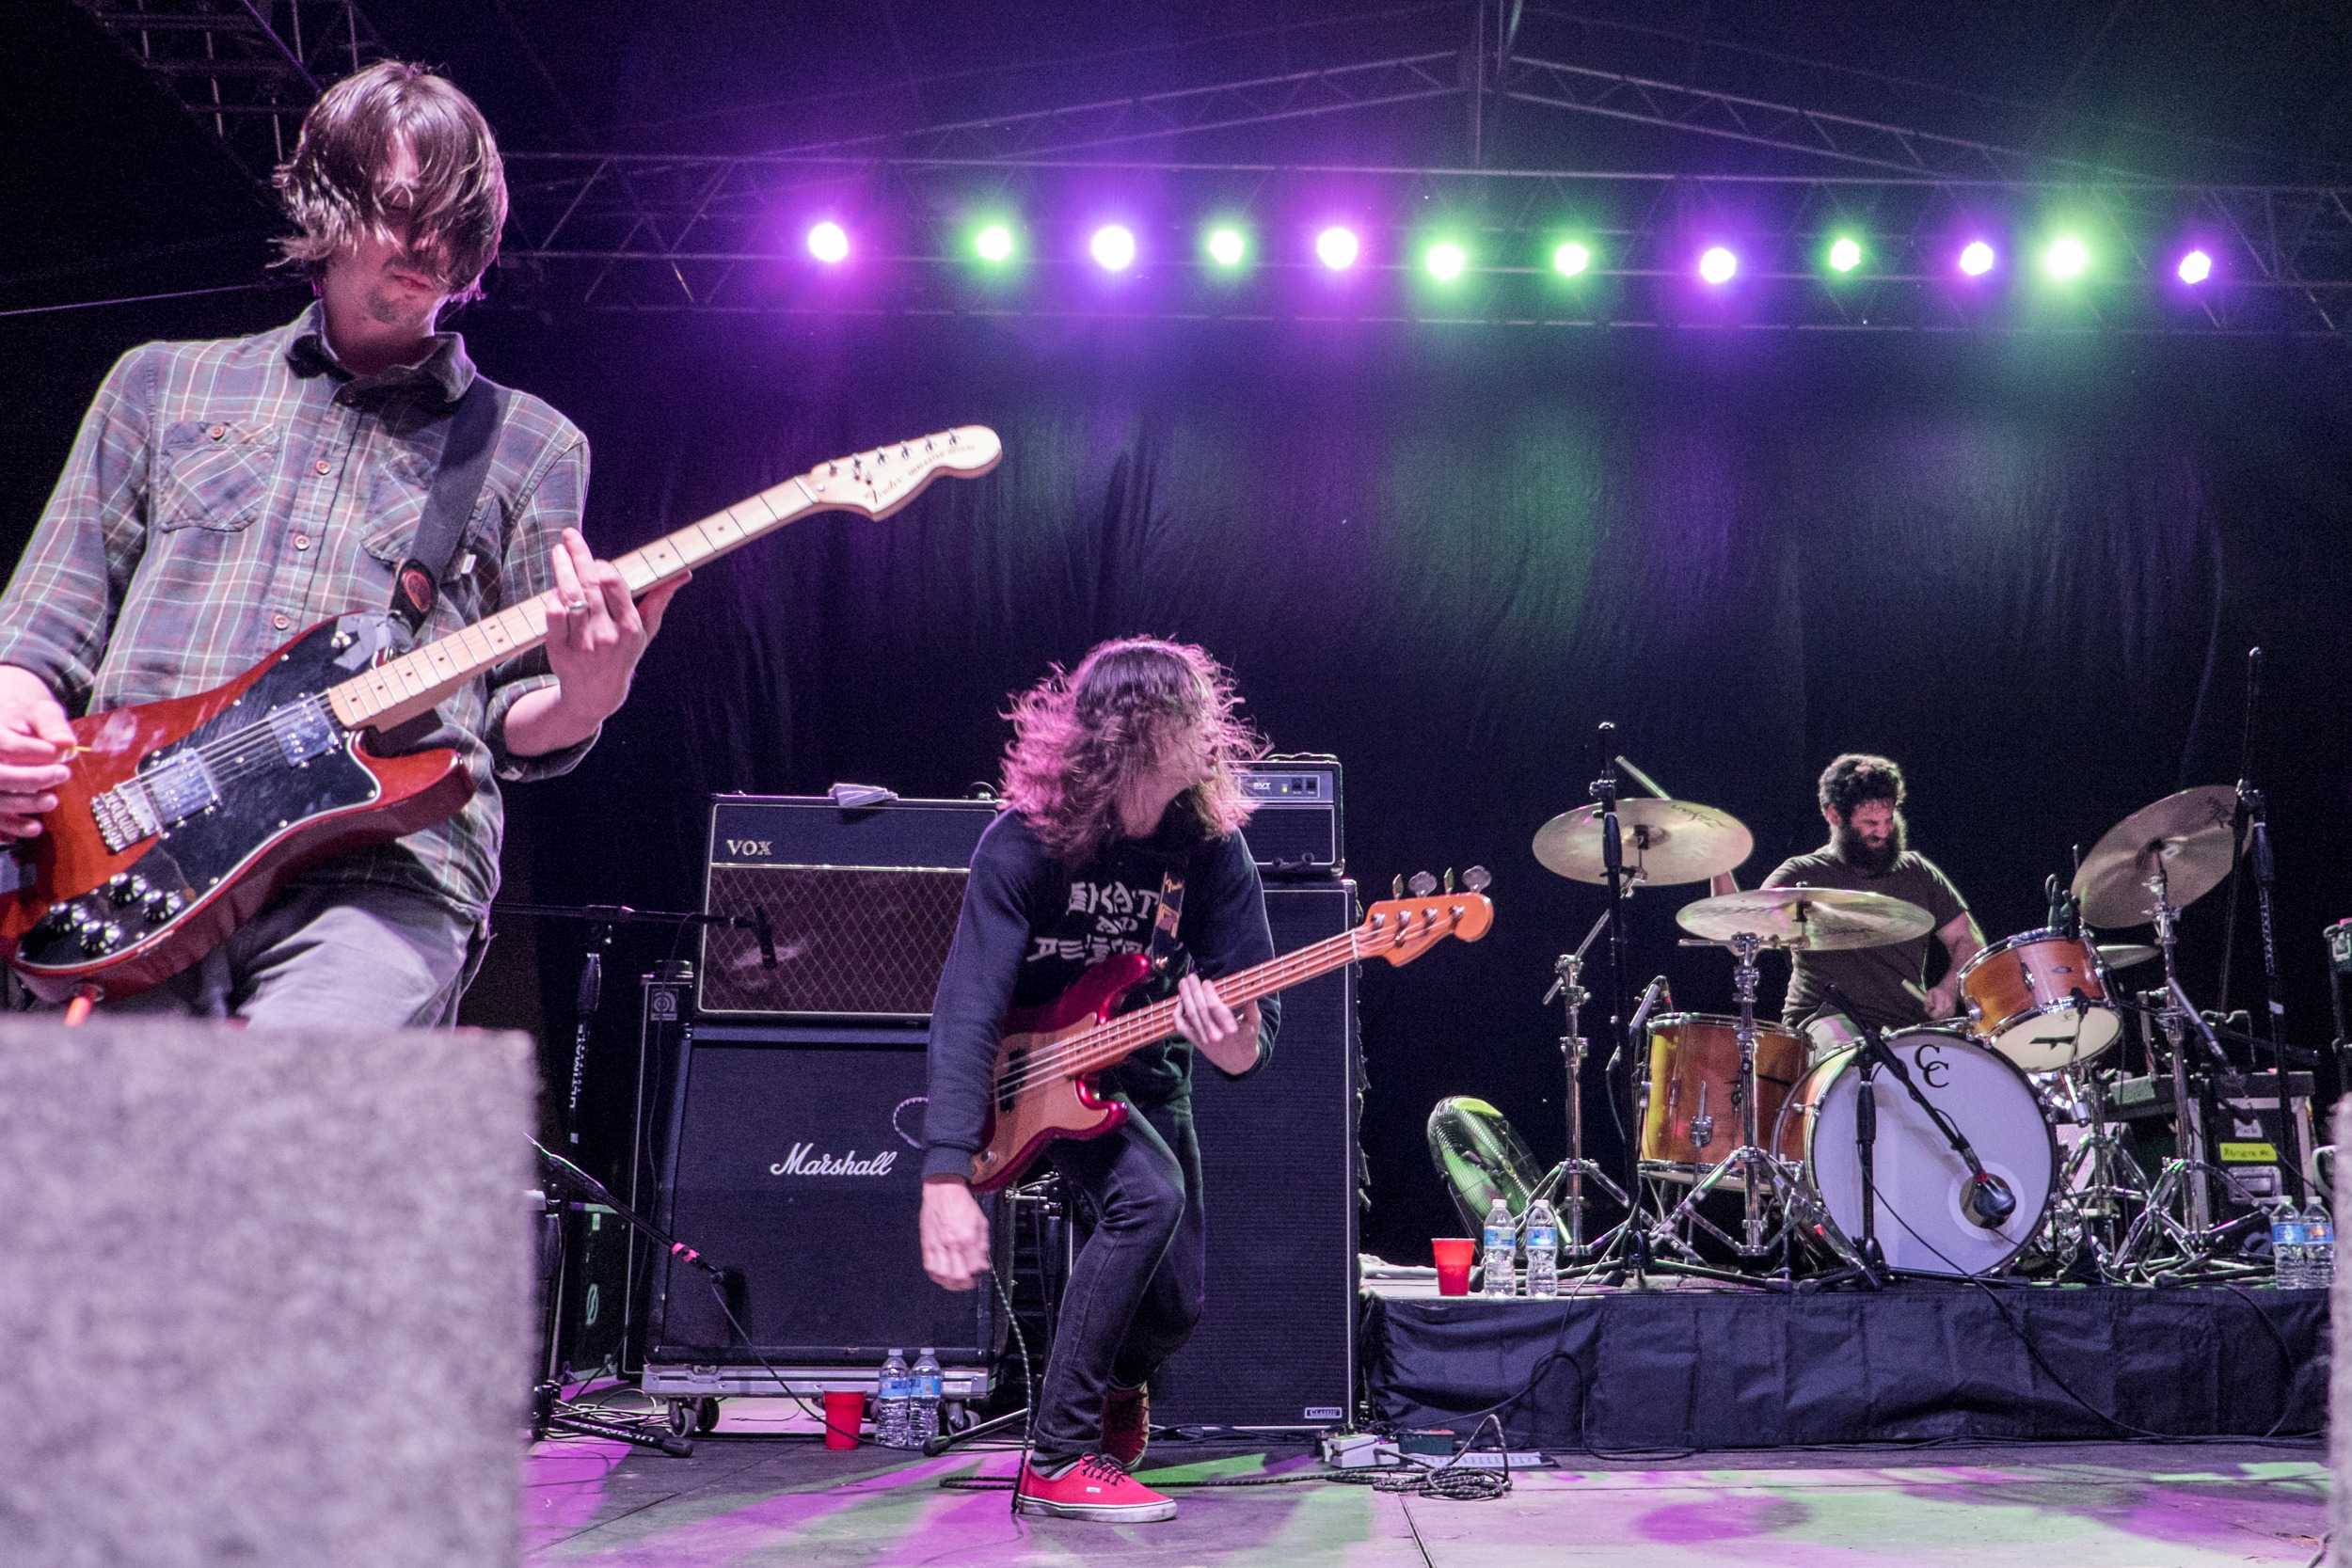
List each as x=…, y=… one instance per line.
x=184, y=815
x=1044, y=1087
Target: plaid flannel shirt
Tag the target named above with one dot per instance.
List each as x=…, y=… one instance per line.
x=222, y=496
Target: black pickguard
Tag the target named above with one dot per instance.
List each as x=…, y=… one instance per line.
x=259, y=799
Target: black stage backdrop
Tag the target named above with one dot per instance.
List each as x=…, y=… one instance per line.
x=2028, y=569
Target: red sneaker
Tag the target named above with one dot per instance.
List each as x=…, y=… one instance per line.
x=1127, y=1424
x=1094, y=1488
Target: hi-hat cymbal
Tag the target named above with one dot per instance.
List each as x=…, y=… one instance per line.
x=1816, y=919
x=2122, y=954
x=2185, y=835
x=1663, y=842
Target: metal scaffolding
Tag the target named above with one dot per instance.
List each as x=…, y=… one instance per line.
x=246, y=70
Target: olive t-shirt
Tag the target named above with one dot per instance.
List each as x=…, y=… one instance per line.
x=1873, y=976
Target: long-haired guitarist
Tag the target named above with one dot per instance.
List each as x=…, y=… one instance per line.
x=1117, y=772
x=223, y=494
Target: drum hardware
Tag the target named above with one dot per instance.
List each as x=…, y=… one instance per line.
x=2187, y=1176
x=1568, y=985
x=1666, y=841
x=2099, y=1177
x=1763, y=1176
x=2249, y=836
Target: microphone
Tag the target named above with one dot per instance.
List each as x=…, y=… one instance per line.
x=1989, y=1201
x=767, y=935
x=1649, y=999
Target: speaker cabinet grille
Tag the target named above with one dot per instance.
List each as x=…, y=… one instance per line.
x=1276, y=1346
x=792, y=1161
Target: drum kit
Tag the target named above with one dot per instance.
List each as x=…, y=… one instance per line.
x=1932, y=1149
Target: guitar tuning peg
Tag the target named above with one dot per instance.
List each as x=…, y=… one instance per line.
x=1477, y=879
x=1396, y=886
x=1449, y=879
x=1422, y=884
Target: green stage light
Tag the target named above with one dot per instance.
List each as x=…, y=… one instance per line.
x=2067, y=259
x=1445, y=261
x=1845, y=254
x=1226, y=245
x=1570, y=258
x=994, y=244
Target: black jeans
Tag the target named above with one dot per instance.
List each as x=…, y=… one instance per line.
x=1135, y=1287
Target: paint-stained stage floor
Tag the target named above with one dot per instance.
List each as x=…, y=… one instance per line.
x=753, y=1500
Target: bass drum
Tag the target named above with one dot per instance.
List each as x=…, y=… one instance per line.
x=1921, y=1224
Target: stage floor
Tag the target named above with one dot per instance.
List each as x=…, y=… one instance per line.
x=759, y=1500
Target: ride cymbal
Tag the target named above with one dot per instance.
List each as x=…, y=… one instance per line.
x=1663, y=842
x=1813, y=919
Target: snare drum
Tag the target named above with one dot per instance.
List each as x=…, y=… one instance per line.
x=2039, y=998
x=1692, y=1120
x=1922, y=1224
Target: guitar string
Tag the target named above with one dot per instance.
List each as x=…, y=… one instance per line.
x=1130, y=1032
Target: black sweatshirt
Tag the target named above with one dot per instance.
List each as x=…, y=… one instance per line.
x=1031, y=926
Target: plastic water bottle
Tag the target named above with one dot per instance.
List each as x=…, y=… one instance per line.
x=1503, y=1275
x=2319, y=1246
x=1543, y=1250
x=891, y=1398
x=2286, y=1246
x=923, y=1408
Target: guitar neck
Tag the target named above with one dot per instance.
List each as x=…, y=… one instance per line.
x=872, y=483
x=1129, y=1033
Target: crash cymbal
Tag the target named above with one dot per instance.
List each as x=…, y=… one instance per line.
x=1816, y=919
x=2122, y=954
x=1663, y=842
x=2186, y=835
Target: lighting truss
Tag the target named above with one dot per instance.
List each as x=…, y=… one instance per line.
x=246, y=70
x=653, y=232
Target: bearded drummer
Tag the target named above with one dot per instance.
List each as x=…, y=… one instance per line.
x=1862, y=800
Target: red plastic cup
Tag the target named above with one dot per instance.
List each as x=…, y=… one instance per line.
x=1453, y=1263
x=844, y=1409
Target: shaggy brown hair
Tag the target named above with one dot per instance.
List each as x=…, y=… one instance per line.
x=1080, y=739
x=1856, y=776
x=335, y=190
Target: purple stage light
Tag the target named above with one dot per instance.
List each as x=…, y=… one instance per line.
x=829, y=242
x=2196, y=267
x=1976, y=259
x=1337, y=247
x=1718, y=264
x=1113, y=247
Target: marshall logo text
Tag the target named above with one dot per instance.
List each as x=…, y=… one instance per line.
x=805, y=1161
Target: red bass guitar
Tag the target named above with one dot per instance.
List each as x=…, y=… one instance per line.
x=1048, y=1057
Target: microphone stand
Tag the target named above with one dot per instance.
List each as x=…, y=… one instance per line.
x=604, y=923
x=2249, y=838
x=1871, y=1055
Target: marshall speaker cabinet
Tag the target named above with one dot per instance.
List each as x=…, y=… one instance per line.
x=789, y=1159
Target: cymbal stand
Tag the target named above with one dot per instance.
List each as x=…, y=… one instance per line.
x=1568, y=985
x=1758, y=1168
x=2110, y=1179
x=2194, y=1240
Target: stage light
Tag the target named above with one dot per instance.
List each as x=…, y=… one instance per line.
x=2067, y=259
x=993, y=244
x=1113, y=247
x=829, y=242
x=1845, y=254
x=1445, y=261
x=1976, y=258
x=2196, y=267
x=1718, y=264
x=1571, y=259
x=1337, y=248
x=1226, y=245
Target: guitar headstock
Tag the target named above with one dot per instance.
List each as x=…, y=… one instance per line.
x=876, y=483
x=1401, y=929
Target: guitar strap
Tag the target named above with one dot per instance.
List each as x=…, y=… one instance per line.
x=473, y=427
x=1162, y=950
